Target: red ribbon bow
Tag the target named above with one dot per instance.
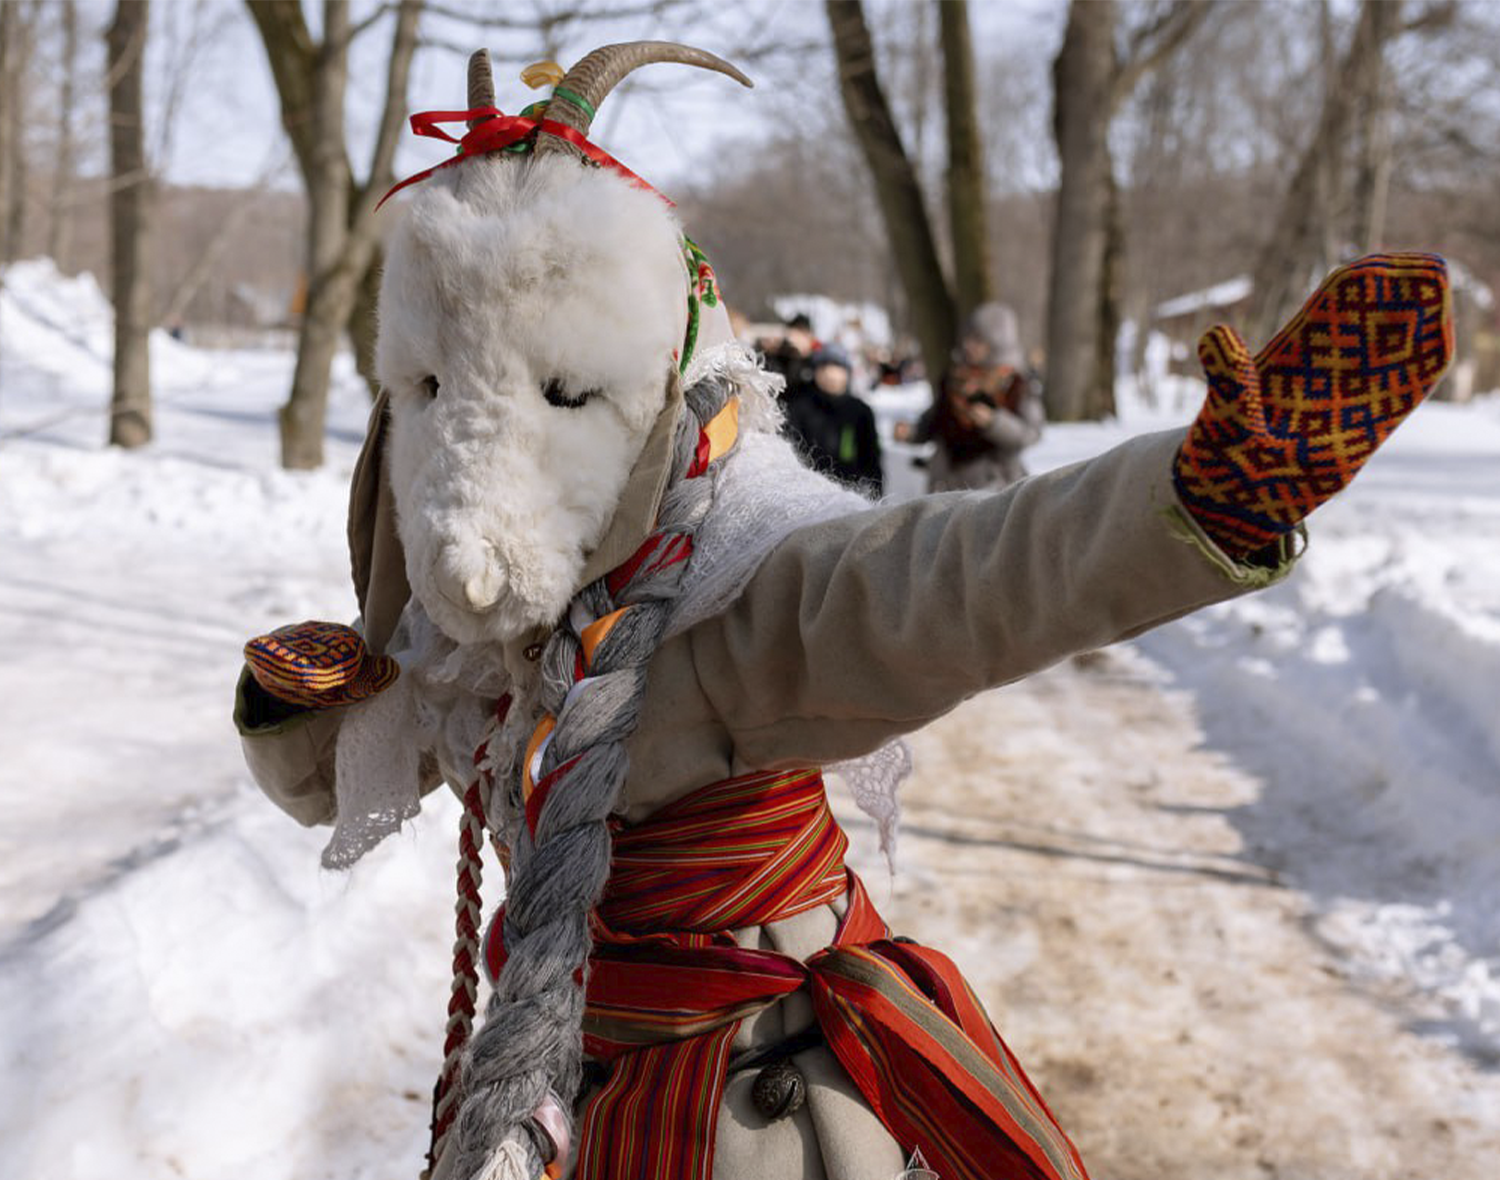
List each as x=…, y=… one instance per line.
x=497, y=131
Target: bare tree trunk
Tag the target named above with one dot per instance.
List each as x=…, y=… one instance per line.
x=22, y=48
x=130, y=418
x=363, y=323
x=341, y=241
x=1327, y=195
x=966, y=206
x=896, y=186
x=329, y=287
x=921, y=88
x=1083, y=80
x=1090, y=82
x=1300, y=225
x=1101, y=399
x=1372, y=178
x=10, y=122
x=60, y=227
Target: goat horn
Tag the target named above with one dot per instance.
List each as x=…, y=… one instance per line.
x=601, y=71
x=481, y=83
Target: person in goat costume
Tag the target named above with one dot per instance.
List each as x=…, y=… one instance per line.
x=630, y=628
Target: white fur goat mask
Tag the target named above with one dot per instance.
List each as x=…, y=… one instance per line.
x=530, y=317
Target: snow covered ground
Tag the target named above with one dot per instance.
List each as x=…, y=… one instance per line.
x=1364, y=694
x=184, y=993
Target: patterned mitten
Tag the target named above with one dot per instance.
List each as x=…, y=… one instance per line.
x=318, y=665
x=1280, y=433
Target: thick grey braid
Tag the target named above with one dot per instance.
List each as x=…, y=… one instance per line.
x=532, y=1035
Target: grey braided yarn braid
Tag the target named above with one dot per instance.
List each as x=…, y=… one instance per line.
x=532, y=1035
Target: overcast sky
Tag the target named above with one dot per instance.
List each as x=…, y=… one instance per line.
x=666, y=125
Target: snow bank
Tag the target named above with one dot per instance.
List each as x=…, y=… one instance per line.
x=56, y=350
x=218, y=1007
x=64, y=327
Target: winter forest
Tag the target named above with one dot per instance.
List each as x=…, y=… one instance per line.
x=1229, y=889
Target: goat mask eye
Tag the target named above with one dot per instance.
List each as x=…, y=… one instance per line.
x=430, y=386
x=557, y=394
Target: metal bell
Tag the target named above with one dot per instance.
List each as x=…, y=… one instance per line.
x=779, y=1091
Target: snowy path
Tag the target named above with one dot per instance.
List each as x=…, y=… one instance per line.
x=1229, y=891
x=1074, y=847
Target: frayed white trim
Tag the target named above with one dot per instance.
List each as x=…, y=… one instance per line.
x=760, y=407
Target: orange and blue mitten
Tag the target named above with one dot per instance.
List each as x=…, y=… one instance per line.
x=318, y=665
x=1283, y=431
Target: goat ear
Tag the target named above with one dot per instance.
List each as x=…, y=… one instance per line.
x=376, y=559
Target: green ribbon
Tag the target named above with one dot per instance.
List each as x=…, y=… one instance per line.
x=576, y=99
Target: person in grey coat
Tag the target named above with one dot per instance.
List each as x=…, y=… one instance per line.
x=986, y=410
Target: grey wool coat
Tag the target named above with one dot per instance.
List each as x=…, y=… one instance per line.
x=850, y=632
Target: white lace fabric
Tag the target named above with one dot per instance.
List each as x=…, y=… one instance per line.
x=442, y=702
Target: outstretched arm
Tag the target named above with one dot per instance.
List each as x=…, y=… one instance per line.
x=860, y=629
x=868, y=626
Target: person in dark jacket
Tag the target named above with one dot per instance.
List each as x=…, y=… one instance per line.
x=835, y=429
x=790, y=357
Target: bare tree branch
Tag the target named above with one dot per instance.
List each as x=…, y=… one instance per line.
x=179, y=70
x=550, y=21
x=370, y=21
x=393, y=114
x=1155, y=43
x=1442, y=15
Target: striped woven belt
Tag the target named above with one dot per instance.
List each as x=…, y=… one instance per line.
x=668, y=987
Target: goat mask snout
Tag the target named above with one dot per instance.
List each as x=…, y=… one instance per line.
x=470, y=575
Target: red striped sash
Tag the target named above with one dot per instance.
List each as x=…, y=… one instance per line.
x=668, y=986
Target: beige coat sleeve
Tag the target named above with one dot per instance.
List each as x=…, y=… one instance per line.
x=291, y=759
x=859, y=629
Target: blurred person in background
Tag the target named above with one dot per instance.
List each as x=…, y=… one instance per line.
x=790, y=356
x=834, y=428
x=986, y=411
x=894, y=367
